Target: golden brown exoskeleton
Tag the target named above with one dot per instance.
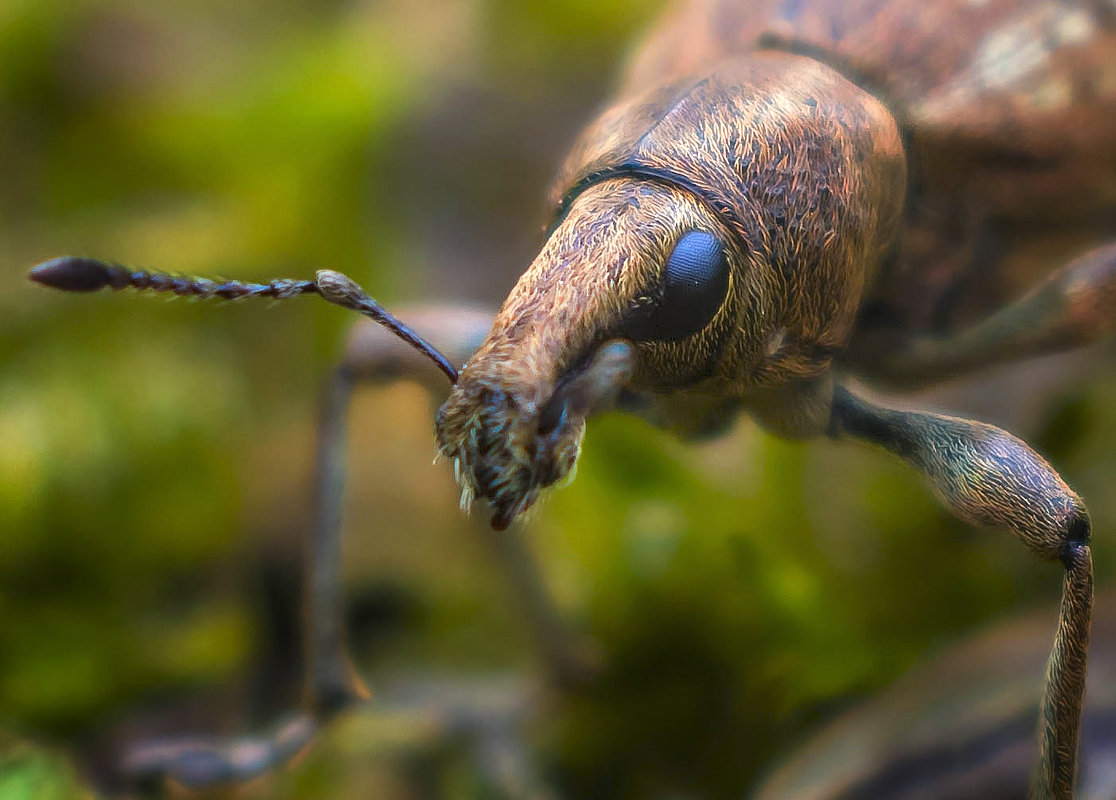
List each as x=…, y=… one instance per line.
x=781, y=196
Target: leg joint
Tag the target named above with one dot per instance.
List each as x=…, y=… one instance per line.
x=1077, y=536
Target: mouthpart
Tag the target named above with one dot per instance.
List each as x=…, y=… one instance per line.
x=510, y=439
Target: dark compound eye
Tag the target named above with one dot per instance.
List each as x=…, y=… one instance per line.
x=693, y=287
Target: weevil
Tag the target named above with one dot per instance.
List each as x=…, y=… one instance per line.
x=786, y=199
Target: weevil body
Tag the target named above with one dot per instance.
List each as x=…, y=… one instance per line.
x=787, y=132
x=781, y=196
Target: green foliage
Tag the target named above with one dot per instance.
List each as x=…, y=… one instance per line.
x=28, y=773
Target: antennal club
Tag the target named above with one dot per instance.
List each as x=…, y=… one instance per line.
x=73, y=274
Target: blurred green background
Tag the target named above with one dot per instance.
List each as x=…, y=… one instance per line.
x=155, y=457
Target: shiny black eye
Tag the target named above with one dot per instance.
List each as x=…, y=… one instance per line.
x=692, y=288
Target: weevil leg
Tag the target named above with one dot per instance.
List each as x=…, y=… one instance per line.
x=331, y=683
x=988, y=477
x=567, y=660
x=1072, y=307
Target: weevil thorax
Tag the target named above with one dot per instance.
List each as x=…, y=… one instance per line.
x=725, y=225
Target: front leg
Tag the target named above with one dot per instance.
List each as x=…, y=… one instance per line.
x=1071, y=308
x=331, y=684
x=988, y=477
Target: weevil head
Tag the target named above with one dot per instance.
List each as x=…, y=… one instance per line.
x=635, y=260
x=723, y=227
